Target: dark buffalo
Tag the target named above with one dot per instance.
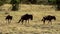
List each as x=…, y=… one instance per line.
x=48, y=18
x=8, y=18
x=26, y=17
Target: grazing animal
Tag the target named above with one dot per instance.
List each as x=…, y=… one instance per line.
x=26, y=17
x=8, y=18
x=48, y=18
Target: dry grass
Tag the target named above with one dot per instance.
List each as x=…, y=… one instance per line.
x=35, y=26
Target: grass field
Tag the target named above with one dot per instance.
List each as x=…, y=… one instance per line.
x=35, y=26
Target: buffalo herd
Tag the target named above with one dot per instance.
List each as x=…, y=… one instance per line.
x=28, y=17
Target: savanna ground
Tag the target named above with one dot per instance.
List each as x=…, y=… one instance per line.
x=35, y=26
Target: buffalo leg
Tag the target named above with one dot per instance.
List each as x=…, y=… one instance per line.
x=50, y=22
x=19, y=21
x=22, y=21
x=28, y=21
x=8, y=21
x=43, y=22
x=25, y=21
